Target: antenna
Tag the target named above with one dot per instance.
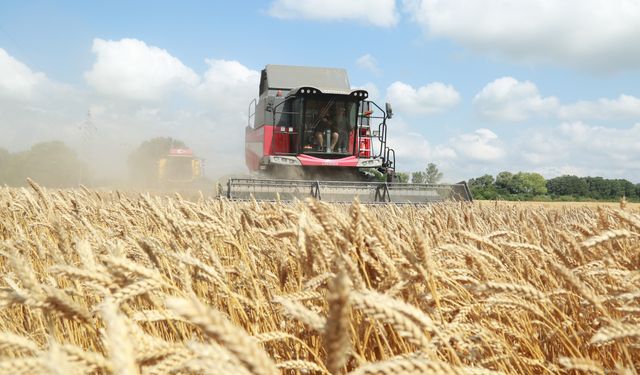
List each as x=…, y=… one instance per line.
x=87, y=127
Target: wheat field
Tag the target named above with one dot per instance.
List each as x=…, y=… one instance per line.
x=107, y=283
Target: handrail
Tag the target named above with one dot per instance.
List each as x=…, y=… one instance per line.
x=250, y=115
x=382, y=130
x=390, y=158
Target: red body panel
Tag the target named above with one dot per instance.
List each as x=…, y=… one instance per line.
x=281, y=141
x=270, y=140
x=265, y=140
x=180, y=152
x=308, y=160
x=365, y=147
x=275, y=140
x=267, y=131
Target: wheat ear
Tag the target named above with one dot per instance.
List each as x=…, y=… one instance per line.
x=383, y=312
x=606, y=236
x=616, y=331
x=303, y=366
x=336, y=336
x=235, y=339
x=120, y=346
x=417, y=366
x=581, y=364
x=303, y=314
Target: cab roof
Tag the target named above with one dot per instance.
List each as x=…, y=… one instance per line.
x=288, y=77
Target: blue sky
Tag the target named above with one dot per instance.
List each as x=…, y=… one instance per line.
x=477, y=86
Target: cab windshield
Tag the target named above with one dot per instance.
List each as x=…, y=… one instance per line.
x=327, y=124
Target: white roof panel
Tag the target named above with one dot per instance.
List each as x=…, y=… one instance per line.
x=288, y=77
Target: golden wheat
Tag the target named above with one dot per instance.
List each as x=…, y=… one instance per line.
x=116, y=283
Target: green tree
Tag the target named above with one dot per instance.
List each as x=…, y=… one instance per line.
x=432, y=174
x=51, y=164
x=483, y=187
x=521, y=183
x=602, y=188
x=528, y=183
x=503, y=182
x=402, y=177
x=626, y=187
x=418, y=178
x=597, y=187
x=143, y=161
x=567, y=185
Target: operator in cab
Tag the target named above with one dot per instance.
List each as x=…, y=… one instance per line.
x=326, y=123
x=344, y=127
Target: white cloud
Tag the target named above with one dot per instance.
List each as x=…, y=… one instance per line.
x=413, y=150
x=228, y=86
x=625, y=106
x=507, y=99
x=132, y=70
x=589, y=34
x=208, y=113
x=376, y=12
x=481, y=145
x=209, y=117
x=466, y=155
x=34, y=108
x=613, y=143
x=444, y=153
x=17, y=81
x=369, y=63
x=433, y=98
x=568, y=148
x=583, y=149
x=410, y=147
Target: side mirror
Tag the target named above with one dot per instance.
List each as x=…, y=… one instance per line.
x=269, y=103
x=389, y=110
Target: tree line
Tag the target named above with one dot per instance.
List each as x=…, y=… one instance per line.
x=54, y=164
x=51, y=164
x=430, y=175
x=533, y=186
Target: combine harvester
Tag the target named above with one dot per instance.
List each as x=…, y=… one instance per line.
x=179, y=166
x=311, y=135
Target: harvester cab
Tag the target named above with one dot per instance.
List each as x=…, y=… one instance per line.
x=179, y=166
x=310, y=133
x=309, y=124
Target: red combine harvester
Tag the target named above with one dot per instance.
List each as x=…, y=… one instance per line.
x=310, y=134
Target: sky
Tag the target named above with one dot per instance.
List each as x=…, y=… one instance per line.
x=477, y=87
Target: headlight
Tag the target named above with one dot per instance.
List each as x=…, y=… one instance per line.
x=285, y=160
